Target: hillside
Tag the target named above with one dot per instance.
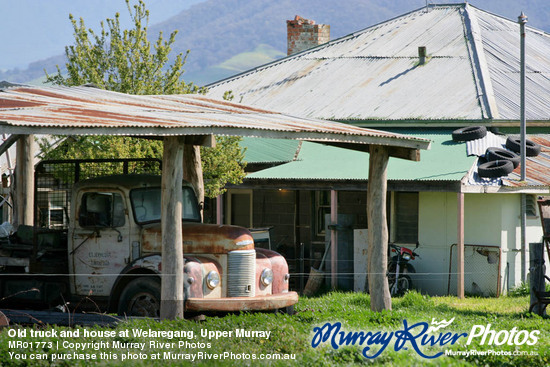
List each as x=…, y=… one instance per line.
x=229, y=36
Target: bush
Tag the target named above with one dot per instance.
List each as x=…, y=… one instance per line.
x=520, y=290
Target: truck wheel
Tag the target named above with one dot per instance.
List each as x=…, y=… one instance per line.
x=289, y=310
x=141, y=297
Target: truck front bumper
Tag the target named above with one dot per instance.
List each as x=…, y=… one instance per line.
x=268, y=302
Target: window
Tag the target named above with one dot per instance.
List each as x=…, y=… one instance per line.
x=531, y=206
x=406, y=217
x=240, y=208
x=101, y=209
x=322, y=208
x=146, y=205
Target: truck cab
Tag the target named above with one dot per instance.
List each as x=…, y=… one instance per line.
x=114, y=253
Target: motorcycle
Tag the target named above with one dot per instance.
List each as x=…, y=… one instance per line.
x=399, y=267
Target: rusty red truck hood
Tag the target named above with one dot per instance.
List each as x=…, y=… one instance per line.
x=199, y=238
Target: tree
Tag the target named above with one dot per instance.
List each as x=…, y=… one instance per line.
x=125, y=61
x=121, y=60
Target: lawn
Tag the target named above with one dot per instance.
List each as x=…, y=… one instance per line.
x=291, y=336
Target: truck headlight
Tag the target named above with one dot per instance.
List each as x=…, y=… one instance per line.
x=267, y=277
x=212, y=279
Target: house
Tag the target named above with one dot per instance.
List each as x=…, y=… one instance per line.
x=424, y=73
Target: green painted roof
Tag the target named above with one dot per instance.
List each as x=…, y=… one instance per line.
x=265, y=150
x=445, y=161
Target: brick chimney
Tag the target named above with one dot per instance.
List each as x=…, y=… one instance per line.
x=304, y=33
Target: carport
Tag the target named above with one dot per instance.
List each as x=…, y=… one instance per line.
x=191, y=120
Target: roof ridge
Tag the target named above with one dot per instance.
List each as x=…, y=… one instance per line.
x=479, y=64
x=329, y=43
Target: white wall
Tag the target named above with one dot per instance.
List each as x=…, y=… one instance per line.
x=490, y=220
x=511, y=239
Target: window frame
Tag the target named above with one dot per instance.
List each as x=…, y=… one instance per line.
x=397, y=235
x=113, y=193
x=193, y=197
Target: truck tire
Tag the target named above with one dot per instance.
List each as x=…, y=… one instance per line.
x=495, y=169
x=532, y=149
x=497, y=154
x=469, y=133
x=289, y=310
x=141, y=297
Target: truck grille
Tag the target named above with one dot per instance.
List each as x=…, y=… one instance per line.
x=241, y=271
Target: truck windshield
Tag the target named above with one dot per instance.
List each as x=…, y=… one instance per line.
x=146, y=205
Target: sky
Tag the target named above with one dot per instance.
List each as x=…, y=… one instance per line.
x=32, y=30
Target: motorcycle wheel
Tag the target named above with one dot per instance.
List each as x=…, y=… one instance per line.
x=403, y=285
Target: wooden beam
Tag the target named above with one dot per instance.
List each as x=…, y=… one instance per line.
x=219, y=209
x=345, y=185
x=201, y=140
x=378, y=229
x=405, y=153
x=192, y=171
x=10, y=140
x=460, y=246
x=410, y=154
x=172, y=298
x=334, y=239
x=24, y=181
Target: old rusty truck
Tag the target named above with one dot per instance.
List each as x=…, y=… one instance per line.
x=107, y=252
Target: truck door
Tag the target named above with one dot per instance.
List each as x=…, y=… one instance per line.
x=100, y=243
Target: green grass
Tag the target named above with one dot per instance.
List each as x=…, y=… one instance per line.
x=293, y=334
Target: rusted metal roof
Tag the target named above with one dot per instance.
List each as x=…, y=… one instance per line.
x=373, y=75
x=537, y=168
x=91, y=111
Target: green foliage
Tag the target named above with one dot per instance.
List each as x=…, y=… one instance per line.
x=102, y=147
x=125, y=61
x=122, y=60
x=520, y=290
x=222, y=164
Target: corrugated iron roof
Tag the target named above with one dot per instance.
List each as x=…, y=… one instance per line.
x=478, y=147
x=264, y=150
x=445, y=161
x=89, y=111
x=501, y=46
x=537, y=168
x=373, y=74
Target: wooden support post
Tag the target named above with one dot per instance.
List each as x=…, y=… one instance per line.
x=171, y=305
x=378, y=229
x=192, y=170
x=219, y=209
x=460, y=247
x=536, y=276
x=24, y=184
x=334, y=239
